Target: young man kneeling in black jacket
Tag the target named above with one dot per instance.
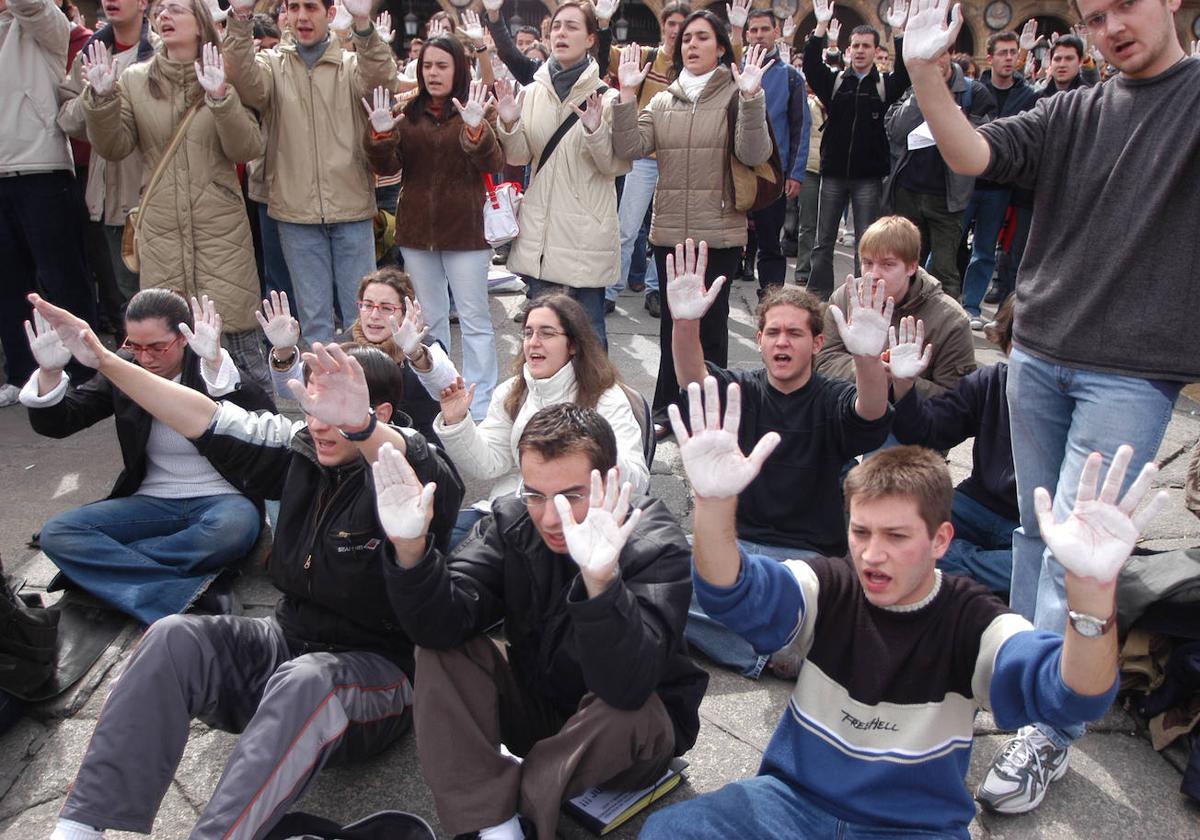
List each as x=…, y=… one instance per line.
x=330, y=673
x=595, y=684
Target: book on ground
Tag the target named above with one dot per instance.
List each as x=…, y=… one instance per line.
x=600, y=810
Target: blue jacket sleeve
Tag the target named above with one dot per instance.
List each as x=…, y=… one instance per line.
x=765, y=606
x=800, y=127
x=1027, y=685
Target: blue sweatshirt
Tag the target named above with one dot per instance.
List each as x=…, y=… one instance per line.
x=787, y=109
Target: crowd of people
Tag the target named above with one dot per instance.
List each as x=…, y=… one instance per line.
x=209, y=209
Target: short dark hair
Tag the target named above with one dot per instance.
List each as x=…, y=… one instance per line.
x=528, y=30
x=674, y=7
x=565, y=428
x=1000, y=330
x=720, y=30
x=797, y=297
x=1071, y=41
x=265, y=26
x=911, y=472
x=385, y=380
x=167, y=304
x=761, y=12
x=997, y=37
x=865, y=29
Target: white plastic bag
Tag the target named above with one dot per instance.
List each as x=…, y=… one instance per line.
x=501, y=205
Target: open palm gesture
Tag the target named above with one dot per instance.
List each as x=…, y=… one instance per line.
x=509, y=99
x=712, y=459
x=100, y=68
x=276, y=320
x=631, y=71
x=749, y=78
x=686, y=294
x=409, y=332
x=927, y=33
x=865, y=331
x=379, y=111
x=456, y=401
x=595, y=543
x=210, y=72
x=477, y=101
x=205, y=339
x=591, y=112
x=905, y=359
x=405, y=507
x=74, y=332
x=336, y=392
x=47, y=348
x=1097, y=538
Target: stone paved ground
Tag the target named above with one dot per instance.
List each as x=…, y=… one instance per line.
x=1117, y=787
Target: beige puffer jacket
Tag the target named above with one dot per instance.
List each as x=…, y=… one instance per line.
x=694, y=194
x=33, y=56
x=316, y=169
x=195, y=237
x=569, y=231
x=113, y=187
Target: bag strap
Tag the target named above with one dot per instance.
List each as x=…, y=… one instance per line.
x=561, y=132
x=176, y=140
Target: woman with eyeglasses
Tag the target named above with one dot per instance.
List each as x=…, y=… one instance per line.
x=561, y=360
x=194, y=234
x=389, y=319
x=445, y=145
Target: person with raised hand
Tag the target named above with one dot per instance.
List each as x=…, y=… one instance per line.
x=821, y=423
x=319, y=190
x=329, y=675
x=173, y=520
x=1120, y=385
x=593, y=685
x=569, y=231
x=445, y=146
x=561, y=361
x=193, y=233
x=687, y=126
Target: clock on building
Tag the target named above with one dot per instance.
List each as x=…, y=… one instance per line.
x=998, y=14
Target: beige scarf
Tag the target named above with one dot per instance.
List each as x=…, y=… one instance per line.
x=388, y=345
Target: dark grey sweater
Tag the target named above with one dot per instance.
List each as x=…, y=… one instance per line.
x=1108, y=281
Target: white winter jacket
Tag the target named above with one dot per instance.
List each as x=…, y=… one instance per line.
x=33, y=59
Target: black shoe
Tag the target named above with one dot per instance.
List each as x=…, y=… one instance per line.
x=662, y=431
x=218, y=599
x=637, y=286
x=654, y=304
x=994, y=295
x=610, y=306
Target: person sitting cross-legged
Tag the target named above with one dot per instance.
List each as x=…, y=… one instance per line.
x=173, y=519
x=594, y=685
x=823, y=422
x=897, y=657
x=330, y=674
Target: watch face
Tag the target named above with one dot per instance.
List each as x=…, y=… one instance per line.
x=884, y=5
x=1086, y=625
x=998, y=14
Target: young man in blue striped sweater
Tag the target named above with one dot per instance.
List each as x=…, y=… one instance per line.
x=897, y=657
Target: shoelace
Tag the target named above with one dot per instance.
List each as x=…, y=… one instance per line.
x=1019, y=746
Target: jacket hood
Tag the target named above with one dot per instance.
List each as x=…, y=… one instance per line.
x=720, y=78
x=921, y=289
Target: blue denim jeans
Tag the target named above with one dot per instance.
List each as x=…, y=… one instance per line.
x=275, y=271
x=718, y=642
x=763, y=807
x=324, y=259
x=151, y=557
x=982, y=544
x=865, y=197
x=1060, y=415
x=591, y=299
x=636, y=198
x=435, y=274
x=463, y=523
x=986, y=208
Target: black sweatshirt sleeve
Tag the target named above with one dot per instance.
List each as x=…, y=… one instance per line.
x=522, y=67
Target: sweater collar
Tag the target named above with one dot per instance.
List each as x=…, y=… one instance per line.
x=560, y=387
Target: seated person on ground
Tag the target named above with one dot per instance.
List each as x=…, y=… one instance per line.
x=889, y=250
x=794, y=508
x=389, y=318
x=330, y=674
x=561, y=361
x=174, y=519
x=594, y=685
x=896, y=656
x=984, y=513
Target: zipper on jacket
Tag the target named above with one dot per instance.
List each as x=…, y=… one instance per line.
x=853, y=129
x=687, y=204
x=312, y=121
x=322, y=511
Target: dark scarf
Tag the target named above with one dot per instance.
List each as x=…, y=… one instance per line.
x=564, y=78
x=388, y=345
x=108, y=37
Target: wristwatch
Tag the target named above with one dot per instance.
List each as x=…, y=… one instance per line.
x=360, y=436
x=481, y=48
x=1089, y=626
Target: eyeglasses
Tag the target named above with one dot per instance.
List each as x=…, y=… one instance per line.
x=537, y=501
x=155, y=349
x=174, y=9
x=544, y=333
x=385, y=308
x=1098, y=20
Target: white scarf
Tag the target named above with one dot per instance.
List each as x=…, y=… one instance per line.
x=692, y=84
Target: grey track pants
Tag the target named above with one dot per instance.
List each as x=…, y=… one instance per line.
x=294, y=713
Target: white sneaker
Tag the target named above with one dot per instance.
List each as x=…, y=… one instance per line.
x=8, y=395
x=1022, y=769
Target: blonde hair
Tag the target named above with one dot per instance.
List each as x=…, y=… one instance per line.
x=906, y=472
x=893, y=235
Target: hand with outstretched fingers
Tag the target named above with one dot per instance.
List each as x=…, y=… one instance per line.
x=438, y=27
x=591, y=112
x=336, y=392
x=382, y=121
x=276, y=320
x=737, y=13
x=473, y=27
x=48, y=349
x=686, y=294
x=1028, y=34
x=73, y=331
x=823, y=10
x=383, y=25
x=1097, y=538
x=905, y=359
x=456, y=401
x=595, y=543
x=510, y=96
x=749, y=77
x=927, y=33
x=712, y=459
x=210, y=72
x=477, y=100
x=405, y=507
x=865, y=330
x=789, y=29
x=205, y=339
x=360, y=10
x=409, y=333
x=630, y=70
x=100, y=69
x=897, y=14
x=835, y=32
x=605, y=9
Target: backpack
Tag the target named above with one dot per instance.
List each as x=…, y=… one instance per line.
x=880, y=85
